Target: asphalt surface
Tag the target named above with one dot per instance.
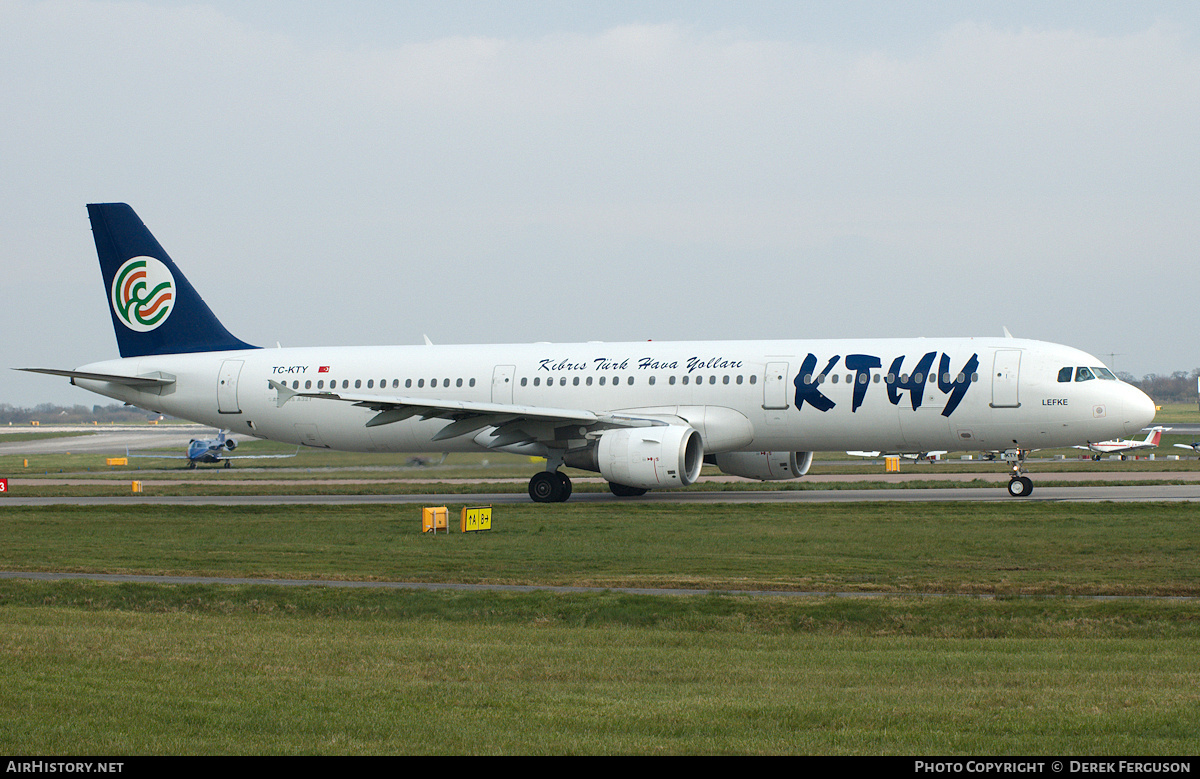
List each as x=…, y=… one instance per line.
x=1086, y=494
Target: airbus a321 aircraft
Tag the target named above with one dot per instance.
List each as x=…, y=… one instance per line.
x=645, y=415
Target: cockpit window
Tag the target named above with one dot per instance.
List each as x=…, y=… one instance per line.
x=1104, y=373
x=1064, y=374
x=1083, y=374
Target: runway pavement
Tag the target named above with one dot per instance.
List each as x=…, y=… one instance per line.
x=1084, y=494
x=106, y=439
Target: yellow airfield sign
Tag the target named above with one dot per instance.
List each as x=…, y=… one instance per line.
x=476, y=518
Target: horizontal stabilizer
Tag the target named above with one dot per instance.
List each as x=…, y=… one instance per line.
x=154, y=380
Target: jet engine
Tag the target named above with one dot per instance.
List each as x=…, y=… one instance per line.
x=764, y=466
x=651, y=457
x=230, y=444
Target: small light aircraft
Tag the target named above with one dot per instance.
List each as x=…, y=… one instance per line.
x=1123, y=446
x=1194, y=446
x=211, y=450
x=933, y=455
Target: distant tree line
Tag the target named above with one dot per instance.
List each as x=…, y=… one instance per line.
x=1179, y=387
x=48, y=414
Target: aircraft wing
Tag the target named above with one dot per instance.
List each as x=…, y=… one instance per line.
x=514, y=423
x=219, y=456
x=906, y=455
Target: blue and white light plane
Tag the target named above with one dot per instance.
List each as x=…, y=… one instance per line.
x=211, y=450
x=645, y=415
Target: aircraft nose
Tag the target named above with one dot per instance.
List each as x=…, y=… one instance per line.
x=1139, y=410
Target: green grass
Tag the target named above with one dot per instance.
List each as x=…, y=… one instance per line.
x=1177, y=413
x=234, y=670
x=1003, y=548
x=123, y=668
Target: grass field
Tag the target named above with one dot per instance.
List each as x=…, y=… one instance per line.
x=1041, y=668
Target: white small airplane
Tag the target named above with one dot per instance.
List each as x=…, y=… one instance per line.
x=931, y=455
x=645, y=415
x=211, y=450
x=1194, y=446
x=1123, y=446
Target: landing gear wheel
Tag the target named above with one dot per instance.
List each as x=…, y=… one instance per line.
x=621, y=491
x=1020, y=487
x=549, y=487
x=566, y=486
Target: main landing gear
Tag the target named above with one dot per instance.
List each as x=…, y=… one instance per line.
x=1019, y=485
x=549, y=487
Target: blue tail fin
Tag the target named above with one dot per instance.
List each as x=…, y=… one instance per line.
x=154, y=308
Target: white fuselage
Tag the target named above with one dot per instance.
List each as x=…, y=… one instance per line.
x=900, y=395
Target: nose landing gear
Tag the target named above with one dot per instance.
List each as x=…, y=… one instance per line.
x=1019, y=485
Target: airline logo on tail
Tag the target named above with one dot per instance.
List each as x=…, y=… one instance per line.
x=143, y=293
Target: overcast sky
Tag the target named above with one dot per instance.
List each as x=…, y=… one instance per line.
x=369, y=172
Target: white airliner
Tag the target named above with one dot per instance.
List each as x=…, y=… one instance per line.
x=1123, y=446
x=644, y=415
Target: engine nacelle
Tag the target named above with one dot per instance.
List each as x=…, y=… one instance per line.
x=651, y=457
x=230, y=444
x=765, y=466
